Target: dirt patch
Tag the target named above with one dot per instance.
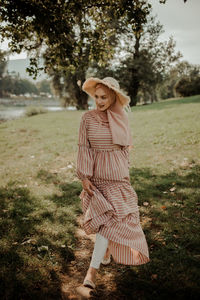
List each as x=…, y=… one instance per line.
x=72, y=287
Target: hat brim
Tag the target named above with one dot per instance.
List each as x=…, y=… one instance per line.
x=89, y=87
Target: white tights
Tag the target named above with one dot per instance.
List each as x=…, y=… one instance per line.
x=99, y=251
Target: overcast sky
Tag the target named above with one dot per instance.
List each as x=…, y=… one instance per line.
x=181, y=20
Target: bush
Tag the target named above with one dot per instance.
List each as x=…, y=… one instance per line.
x=33, y=110
x=188, y=87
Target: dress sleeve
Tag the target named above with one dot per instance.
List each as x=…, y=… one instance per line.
x=85, y=157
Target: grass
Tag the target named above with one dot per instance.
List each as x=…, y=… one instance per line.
x=37, y=240
x=169, y=207
x=39, y=202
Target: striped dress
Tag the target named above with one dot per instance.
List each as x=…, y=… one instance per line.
x=113, y=209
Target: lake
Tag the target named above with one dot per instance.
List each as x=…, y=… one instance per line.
x=15, y=108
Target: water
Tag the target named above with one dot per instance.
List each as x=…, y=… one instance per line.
x=12, y=108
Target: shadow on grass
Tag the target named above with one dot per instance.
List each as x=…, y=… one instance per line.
x=164, y=104
x=169, y=210
x=36, y=240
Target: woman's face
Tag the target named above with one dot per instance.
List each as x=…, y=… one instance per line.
x=103, y=98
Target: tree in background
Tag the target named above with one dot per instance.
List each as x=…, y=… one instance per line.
x=44, y=86
x=153, y=62
x=181, y=80
x=3, y=64
x=188, y=79
x=69, y=35
x=134, y=16
x=156, y=59
x=13, y=84
x=73, y=34
x=141, y=62
x=16, y=86
x=92, y=43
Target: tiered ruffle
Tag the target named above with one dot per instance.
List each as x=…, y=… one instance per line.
x=113, y=212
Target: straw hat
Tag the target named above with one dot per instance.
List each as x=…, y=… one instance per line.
x=89, y=87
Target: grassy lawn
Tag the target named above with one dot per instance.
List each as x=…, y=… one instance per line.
x=39, y=202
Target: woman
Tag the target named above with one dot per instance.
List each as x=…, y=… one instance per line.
x=109, y=203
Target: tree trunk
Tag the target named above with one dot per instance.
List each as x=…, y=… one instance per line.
x=81, y=96
x=82, y=99
x=135, y=82
x=133, y=90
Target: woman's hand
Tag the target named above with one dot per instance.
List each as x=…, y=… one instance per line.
x=88, y=186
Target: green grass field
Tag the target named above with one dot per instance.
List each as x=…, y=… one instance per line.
x=39, y=201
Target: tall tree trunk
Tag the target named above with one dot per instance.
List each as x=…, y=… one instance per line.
x=81, y=96
x=133, y=90
x=82, y=99
x=135, y=82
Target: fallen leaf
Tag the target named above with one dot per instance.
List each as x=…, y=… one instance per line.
x=163, y=207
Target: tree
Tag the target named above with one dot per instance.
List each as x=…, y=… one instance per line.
x=12, y=84
x=44, y=86
x=69, y=34
x=134, y=16
x=153, y=62
x=181, y=80
x=156, y=59
x=72, y=34
x=3, y=64
x=188, y=79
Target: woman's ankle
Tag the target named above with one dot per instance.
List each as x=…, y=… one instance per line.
x=91, y=273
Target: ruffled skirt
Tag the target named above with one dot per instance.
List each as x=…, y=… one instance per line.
x=113, y=212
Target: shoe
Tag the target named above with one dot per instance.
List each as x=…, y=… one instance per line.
x=89, y=283
x=106, y=261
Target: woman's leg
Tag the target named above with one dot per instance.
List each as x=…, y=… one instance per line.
x=99, y=251
x=100, y=247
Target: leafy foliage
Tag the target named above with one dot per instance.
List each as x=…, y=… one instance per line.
x=74, y=35
x=69, y=34
x=181, y=80
x=151, y=65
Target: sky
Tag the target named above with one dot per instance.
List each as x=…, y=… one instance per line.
x=180, y=20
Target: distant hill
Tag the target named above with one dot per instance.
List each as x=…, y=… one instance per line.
x=19, y=66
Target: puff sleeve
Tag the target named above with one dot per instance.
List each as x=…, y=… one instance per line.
x=85, y=156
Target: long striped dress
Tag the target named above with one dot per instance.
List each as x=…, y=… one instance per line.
x=113, y=209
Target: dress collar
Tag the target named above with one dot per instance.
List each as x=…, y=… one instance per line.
x=101, y=115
